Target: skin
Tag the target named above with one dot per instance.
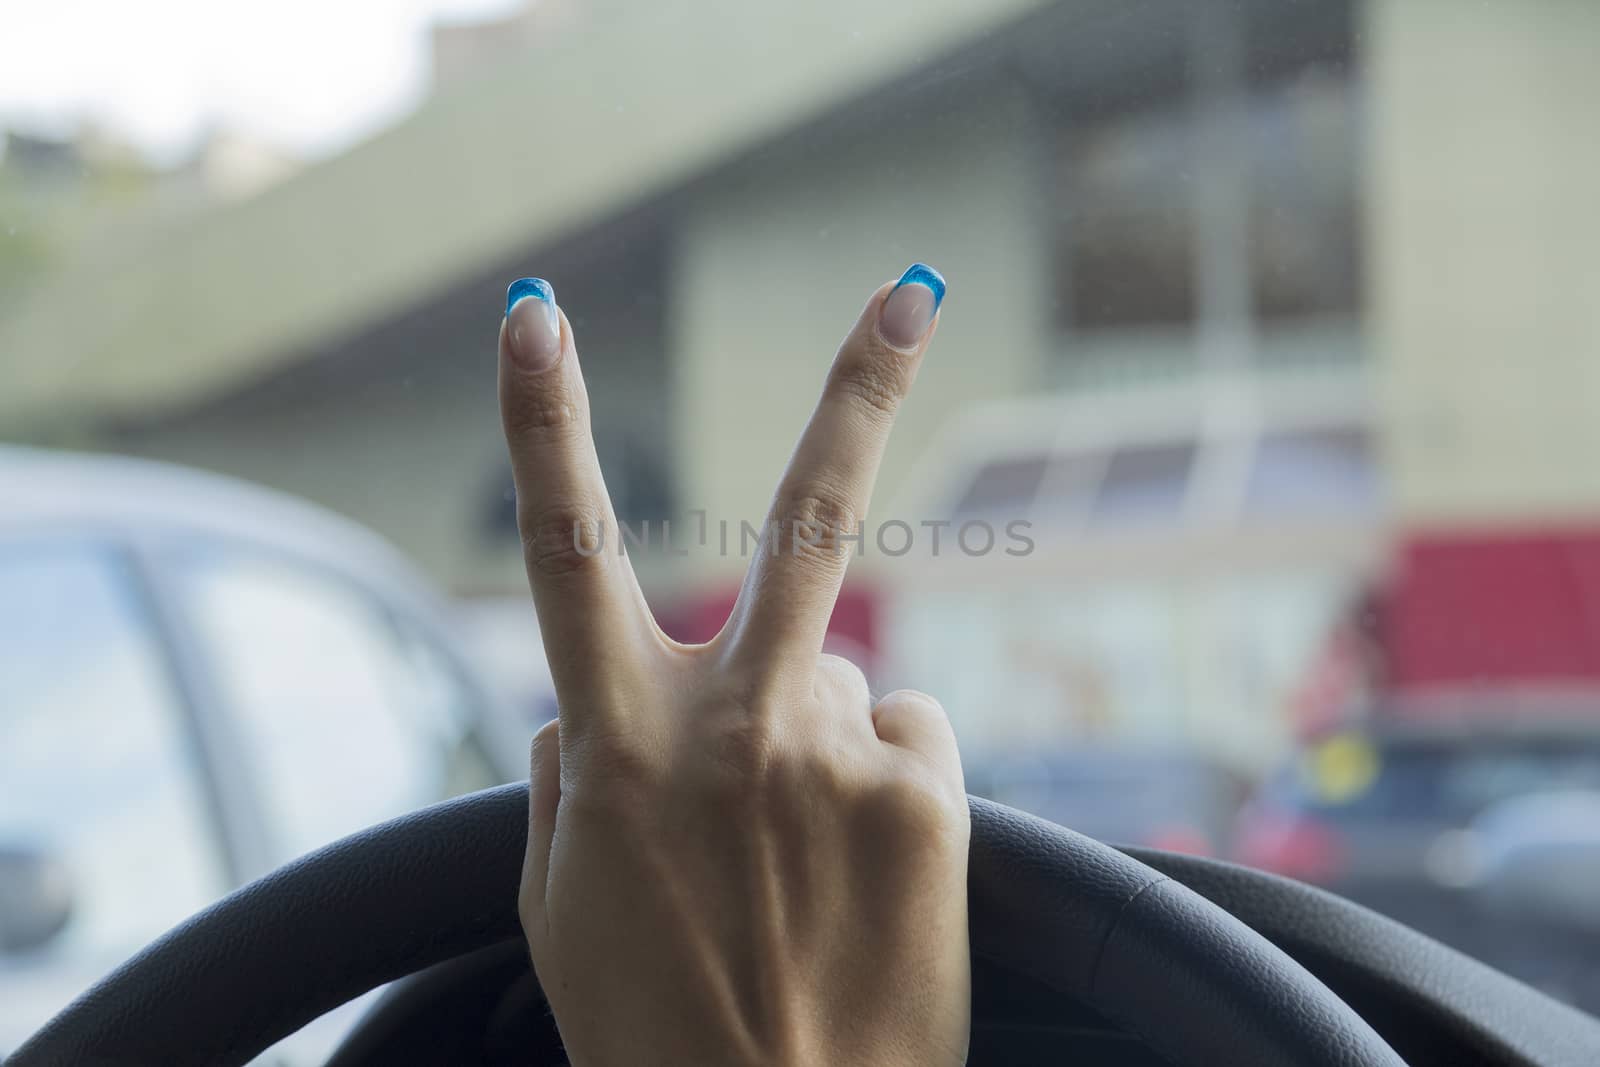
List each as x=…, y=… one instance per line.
x=734, y=856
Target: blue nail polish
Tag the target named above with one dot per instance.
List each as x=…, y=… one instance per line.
x=540, y=289
x=922, y=274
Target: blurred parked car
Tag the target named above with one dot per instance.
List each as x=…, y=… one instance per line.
x=1126, y=796
x=1539, y=883
x=1441, y=826
x=199, y=680
x=1539, y=856
x=502, y=636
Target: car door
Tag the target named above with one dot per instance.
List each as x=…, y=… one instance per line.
x=342, y=708
x=331, y=701
x=107, y=815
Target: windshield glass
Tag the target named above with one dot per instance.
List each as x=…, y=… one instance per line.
x=1259, y=431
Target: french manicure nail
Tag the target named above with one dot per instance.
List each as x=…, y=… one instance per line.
x=911, y=306
x=533, y=323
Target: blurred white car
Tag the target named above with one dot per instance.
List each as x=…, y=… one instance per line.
x=502, y=636
x=200, y=679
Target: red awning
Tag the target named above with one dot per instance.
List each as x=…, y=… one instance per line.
x=1502, y=608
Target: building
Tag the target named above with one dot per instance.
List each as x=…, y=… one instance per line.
x=1144, y=206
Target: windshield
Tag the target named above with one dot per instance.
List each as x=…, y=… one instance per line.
x=1259, y=430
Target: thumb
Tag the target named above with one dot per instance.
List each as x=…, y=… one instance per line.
x=544, y=795
x=915, y=721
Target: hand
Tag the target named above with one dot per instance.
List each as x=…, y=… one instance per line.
x=734, y=856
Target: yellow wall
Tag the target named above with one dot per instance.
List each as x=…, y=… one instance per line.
x=766, y=268
x=773, y=265
x=1484, y=213
x=402, y=430
x=631, y=100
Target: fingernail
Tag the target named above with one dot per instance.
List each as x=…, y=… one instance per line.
x=533, y=323
x=910, y=308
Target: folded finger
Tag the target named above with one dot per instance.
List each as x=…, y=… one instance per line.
x=544, y=797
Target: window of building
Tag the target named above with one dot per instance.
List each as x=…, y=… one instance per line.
x=1129, y=230
x=1005, y=487
x=1313, y=472
x=1304, y=227
x=1226, y=205
x=1144, y=483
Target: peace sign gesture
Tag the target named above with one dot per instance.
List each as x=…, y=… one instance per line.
x=734, y=855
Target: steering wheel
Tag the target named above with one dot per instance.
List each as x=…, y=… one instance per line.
x=1194, y=983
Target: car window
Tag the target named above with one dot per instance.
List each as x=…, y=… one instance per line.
x=344, y=721
x=98, y=768
x=447, y=698
x=1475, y=781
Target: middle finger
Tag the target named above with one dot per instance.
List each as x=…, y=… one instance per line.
x=788, y=594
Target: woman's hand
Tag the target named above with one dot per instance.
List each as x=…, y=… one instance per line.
x=734, y=856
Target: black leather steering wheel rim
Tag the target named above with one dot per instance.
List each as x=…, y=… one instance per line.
x=1193, y=982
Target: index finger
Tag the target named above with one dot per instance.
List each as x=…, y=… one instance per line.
x=790, y=589
x=592, y=617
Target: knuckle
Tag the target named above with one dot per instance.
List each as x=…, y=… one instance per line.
x=915, y=698
x=755, y=762
x=914, y=717
x=624, y=769
x=616, y=773
x=813, y=521
x=822, y=777
x=843, y=671
x=546, y=413
x=911, y=807
x=744, y=752
x=875, y=377
x=566, y=539
x=547, y=739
